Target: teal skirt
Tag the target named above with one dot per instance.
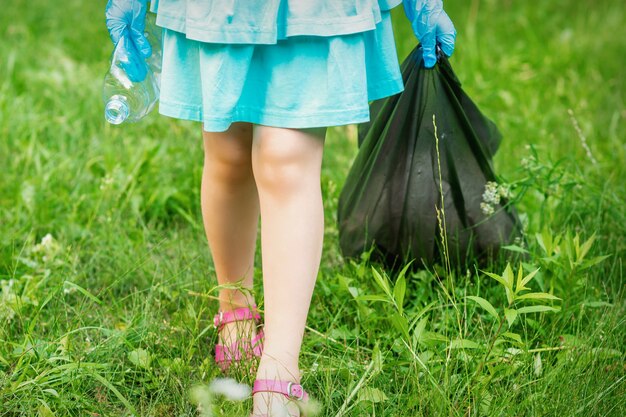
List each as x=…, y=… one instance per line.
x=298, y=82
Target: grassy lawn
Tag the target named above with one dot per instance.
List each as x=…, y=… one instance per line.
x=107, y=288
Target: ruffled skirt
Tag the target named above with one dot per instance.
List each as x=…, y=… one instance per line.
x=297, y=82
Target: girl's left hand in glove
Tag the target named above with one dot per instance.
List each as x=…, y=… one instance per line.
x=432, y=27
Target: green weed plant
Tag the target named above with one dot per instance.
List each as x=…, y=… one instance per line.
x=107, y=289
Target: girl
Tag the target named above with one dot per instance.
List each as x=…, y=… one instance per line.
x=266, y=77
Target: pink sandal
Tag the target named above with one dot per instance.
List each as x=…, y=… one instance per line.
x=238, y=351
x=291, y=390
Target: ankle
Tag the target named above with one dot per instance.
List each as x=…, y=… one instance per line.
x=231, y=300
x=277, y=369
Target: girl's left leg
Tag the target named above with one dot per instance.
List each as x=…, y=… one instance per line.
x=287, y=167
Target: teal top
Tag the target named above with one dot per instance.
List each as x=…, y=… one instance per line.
x=267, y=21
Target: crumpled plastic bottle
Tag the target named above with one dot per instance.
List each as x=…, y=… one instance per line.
x=124, y=99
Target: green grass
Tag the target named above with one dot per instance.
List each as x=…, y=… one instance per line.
x=113, y=317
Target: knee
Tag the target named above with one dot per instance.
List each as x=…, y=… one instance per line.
x=228, y=162
x=279, y=169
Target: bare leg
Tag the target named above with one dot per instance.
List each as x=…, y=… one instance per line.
x=287, y=167
x=230, y=210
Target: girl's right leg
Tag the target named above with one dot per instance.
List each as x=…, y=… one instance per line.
x=230, y=211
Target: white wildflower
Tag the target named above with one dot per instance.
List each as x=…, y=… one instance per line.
x=491, y=195
x=529, y=162
x=203, y=396
x=524, y=163
x=47, y=241
x=230, y=389
x=504, y=191
x=48, y=248
x=487, y=209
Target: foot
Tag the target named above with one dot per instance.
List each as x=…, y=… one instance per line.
x=236, y=331
x=274, y=404
x=239, y=338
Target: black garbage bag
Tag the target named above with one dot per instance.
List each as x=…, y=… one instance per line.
x=392, y=194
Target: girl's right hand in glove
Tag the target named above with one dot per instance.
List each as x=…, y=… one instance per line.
x=126, y=22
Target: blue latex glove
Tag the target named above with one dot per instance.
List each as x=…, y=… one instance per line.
x=126, y=22
x=432, y=27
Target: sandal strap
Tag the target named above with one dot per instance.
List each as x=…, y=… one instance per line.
x=240, y=349
x=238, y=314
x=289, y=389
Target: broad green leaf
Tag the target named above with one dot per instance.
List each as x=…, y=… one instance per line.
x=509, y=295
x=496, y=277
x=537, y=296
x=354, y=292
x=548, y=242
x=434, y=337
x=582, y=251
x=597, y=304
x=484, y=304
x=373, y=298
x=52, y=392
x=398, y=292
x=526, y=280
x=401, y=324
x=513, y=336
x=463, y=344
x=140, y=358
x=382, y=282
x=520, y=273
x=513, y=351
x=508, y=276
x=515, y=248
x=425, y=357
x=544, y=242
x=371, y=394
x=402, y=273
x=536, y=309
x=419, y=330
x=44, y=411
x=506, y=279
x=593, y=261
x=511, y=315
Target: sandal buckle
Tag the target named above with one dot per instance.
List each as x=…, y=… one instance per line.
x=290, y=394
x=217, y=323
